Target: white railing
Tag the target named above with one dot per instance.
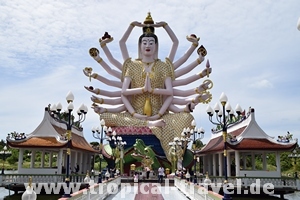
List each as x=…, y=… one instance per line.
x=97, y=191
x=39, y=178
x=278, y=182
x=195, y=192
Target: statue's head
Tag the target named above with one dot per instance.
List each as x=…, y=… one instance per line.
x=148, y=31
x=148, y=39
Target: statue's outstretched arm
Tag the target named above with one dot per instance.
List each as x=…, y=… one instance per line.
x=103, y=41
x=173, y=38
x=94, y=53
x=123, y=40
x=192, y=38
x=189, y=67
x=103, y=92
x=100, y=110
x=200, y=98
x=192, y=78
x=114, y=101
x=190, y=103
x=184, y=93
x=188, y=108
x=113, y=83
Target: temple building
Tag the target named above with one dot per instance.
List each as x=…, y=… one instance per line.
x=49, y=141
x=246, y=143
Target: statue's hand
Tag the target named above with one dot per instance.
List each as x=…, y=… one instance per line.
x=98, y=109
x=138, y=24
x=91, y=89
x=204, y=86
x=97, y=100
x=203, y=98
x=201, y=58
x=159, y=24
x=105, y=41
x=206, y=71
x=147, y=87
x=86, y=72
x=190, y=107
x=193, y=38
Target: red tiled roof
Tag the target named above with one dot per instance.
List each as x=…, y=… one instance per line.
x=77, y=142
x=217, y=143
x=37, y=142
x=261, y=144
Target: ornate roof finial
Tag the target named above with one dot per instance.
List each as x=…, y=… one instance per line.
x=149, y=19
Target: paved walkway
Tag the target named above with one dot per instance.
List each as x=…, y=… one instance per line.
x=147, y=191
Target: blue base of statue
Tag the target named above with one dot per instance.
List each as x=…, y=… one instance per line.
x=148, y=140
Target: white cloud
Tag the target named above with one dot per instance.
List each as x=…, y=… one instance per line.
x=261, y=84
x=252, y=47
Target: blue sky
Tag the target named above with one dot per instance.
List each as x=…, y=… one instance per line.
x=253, y=48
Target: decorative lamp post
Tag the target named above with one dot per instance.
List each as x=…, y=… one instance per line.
x=68, y=119
x=4, y=151
x=224, y=121
x=197, y=136
x=178, y=147
x=117, y=144
x=97, y=134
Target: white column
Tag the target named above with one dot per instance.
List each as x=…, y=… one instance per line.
x=214, y=165
x=50, y=158
x=81, y=163
x=264, y=161
x=43, y=159
x=60, y=161
x=278, y=162
x=209, y=163
x=253, y=161
x=32, y=159
x=228, y=164
x=221, y=164
x=244, y=160
x=20, y=163
x=205, y=164
x=237, y=163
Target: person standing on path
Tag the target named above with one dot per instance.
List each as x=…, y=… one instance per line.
x=161, y=173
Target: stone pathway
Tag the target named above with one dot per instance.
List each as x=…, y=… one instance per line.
x=147, y=191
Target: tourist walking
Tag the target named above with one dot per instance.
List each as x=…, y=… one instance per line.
x=161, y=173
